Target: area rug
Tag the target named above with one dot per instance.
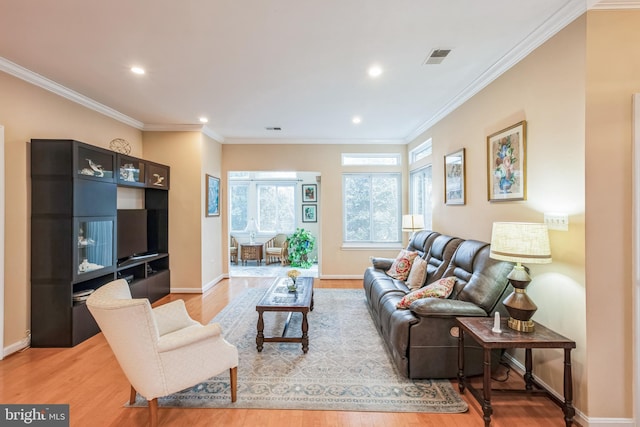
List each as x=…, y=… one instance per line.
x=347, y=367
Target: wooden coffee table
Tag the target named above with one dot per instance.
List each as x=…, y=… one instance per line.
x=278, y=298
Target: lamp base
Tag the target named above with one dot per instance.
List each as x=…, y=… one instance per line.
x=521, y=325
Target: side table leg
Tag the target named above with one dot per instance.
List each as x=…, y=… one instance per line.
x=528, y=366
x=461, y=360
x=486, y=389
x=305, y=335
x=260, y=336
x=568, y=409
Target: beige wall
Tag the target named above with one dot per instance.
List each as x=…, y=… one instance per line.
x=28, y=112
x=212, y=266
x=547, y=90
x=337, y=262
x=613, y=75
x=182, y=152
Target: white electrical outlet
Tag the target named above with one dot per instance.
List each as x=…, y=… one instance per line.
x=557, y=221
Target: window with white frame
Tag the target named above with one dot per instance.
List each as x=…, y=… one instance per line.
x=371, y=159
x=421, y=151
x=276, y=207
x=420, y=202
x=239, y=205
x=372, y=207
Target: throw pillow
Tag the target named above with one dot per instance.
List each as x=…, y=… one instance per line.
x=418, y=274
x=440, y=289
x=402, y=265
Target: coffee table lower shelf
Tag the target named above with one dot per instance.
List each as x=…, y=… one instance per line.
x=278, y=299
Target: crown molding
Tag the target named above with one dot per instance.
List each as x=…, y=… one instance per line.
x=43, y=82
x=184, y=128
x=563, y=17
x=313, y=141
x=614, y=4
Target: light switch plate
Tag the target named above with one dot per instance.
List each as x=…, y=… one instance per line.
x=556, y=221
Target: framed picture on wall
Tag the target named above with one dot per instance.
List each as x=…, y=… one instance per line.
x=213, y=196
x=454, y=176
x=309, y=213
x=309, y=193
x=507, y=164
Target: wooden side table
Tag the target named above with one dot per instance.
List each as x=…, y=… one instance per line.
x=479, y=328
x=251, y=252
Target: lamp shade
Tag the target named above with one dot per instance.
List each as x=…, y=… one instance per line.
x=412, y=222
x=251, y=226
x=521, y=242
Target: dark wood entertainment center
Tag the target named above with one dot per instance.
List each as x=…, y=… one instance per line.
x=74, y=235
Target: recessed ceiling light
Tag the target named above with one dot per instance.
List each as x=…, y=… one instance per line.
x=356, y=119
x=137, y=70
x=375, y=71
x=203, y=120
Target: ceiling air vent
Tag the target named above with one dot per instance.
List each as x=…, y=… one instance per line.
x=437, y=56
x=273, y=128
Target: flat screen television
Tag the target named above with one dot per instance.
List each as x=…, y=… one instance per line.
x=132, y=233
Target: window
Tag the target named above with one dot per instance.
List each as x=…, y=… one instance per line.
x=420, y=152
x=372, y=207
x=276, y=205
x=420, y=190
x=370, y=159
x=238, y=201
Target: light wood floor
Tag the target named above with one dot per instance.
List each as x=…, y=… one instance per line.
x=89, y=379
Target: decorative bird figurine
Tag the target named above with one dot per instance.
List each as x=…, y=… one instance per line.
x=159, y=179
x=97, y=168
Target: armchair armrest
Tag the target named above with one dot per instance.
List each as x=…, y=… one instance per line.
x=271, y=242
x=172, y=316
x=188, y=336
x=438, y=307
x=382, y=263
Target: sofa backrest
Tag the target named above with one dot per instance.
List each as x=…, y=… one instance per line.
x=440, y=256
x=421, y=242
x=479, y=278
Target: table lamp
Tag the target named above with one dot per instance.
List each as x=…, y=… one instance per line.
x=520, y=242
x=411, y=223
x=252, y=227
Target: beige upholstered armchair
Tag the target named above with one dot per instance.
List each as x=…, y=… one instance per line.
x=161, y=350
x=276, y=249
x=233, y=250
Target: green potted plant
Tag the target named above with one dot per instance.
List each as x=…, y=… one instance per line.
x=301, y=243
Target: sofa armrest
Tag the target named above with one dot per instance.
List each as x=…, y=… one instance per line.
x=439, y=307
x=381, y=263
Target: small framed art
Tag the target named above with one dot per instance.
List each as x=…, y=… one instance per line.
x=213, y=196
x=309, y=193
x=506, y=164
x=454, y=178
x=309, y=213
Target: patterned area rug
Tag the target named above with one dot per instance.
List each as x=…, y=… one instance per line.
x=347, y=366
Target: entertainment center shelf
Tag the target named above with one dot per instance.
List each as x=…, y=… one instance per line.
x=79, y=237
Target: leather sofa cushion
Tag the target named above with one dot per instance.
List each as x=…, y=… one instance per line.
x=440, y=255
x=480, y=279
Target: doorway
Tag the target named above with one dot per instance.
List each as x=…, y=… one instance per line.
x=264, y=205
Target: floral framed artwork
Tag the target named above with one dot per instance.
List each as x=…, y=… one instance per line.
x=309, y=193
x=454, y=178
x=309, y=213
x=213, y=196
x=507, y=164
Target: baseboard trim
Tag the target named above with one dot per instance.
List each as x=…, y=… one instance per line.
x=341, y=277
x=580, y=417
x=15, y=347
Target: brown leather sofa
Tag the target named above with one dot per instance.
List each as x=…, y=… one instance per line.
x=423, y=339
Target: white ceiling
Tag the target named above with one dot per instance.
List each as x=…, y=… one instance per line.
x=297, y=64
